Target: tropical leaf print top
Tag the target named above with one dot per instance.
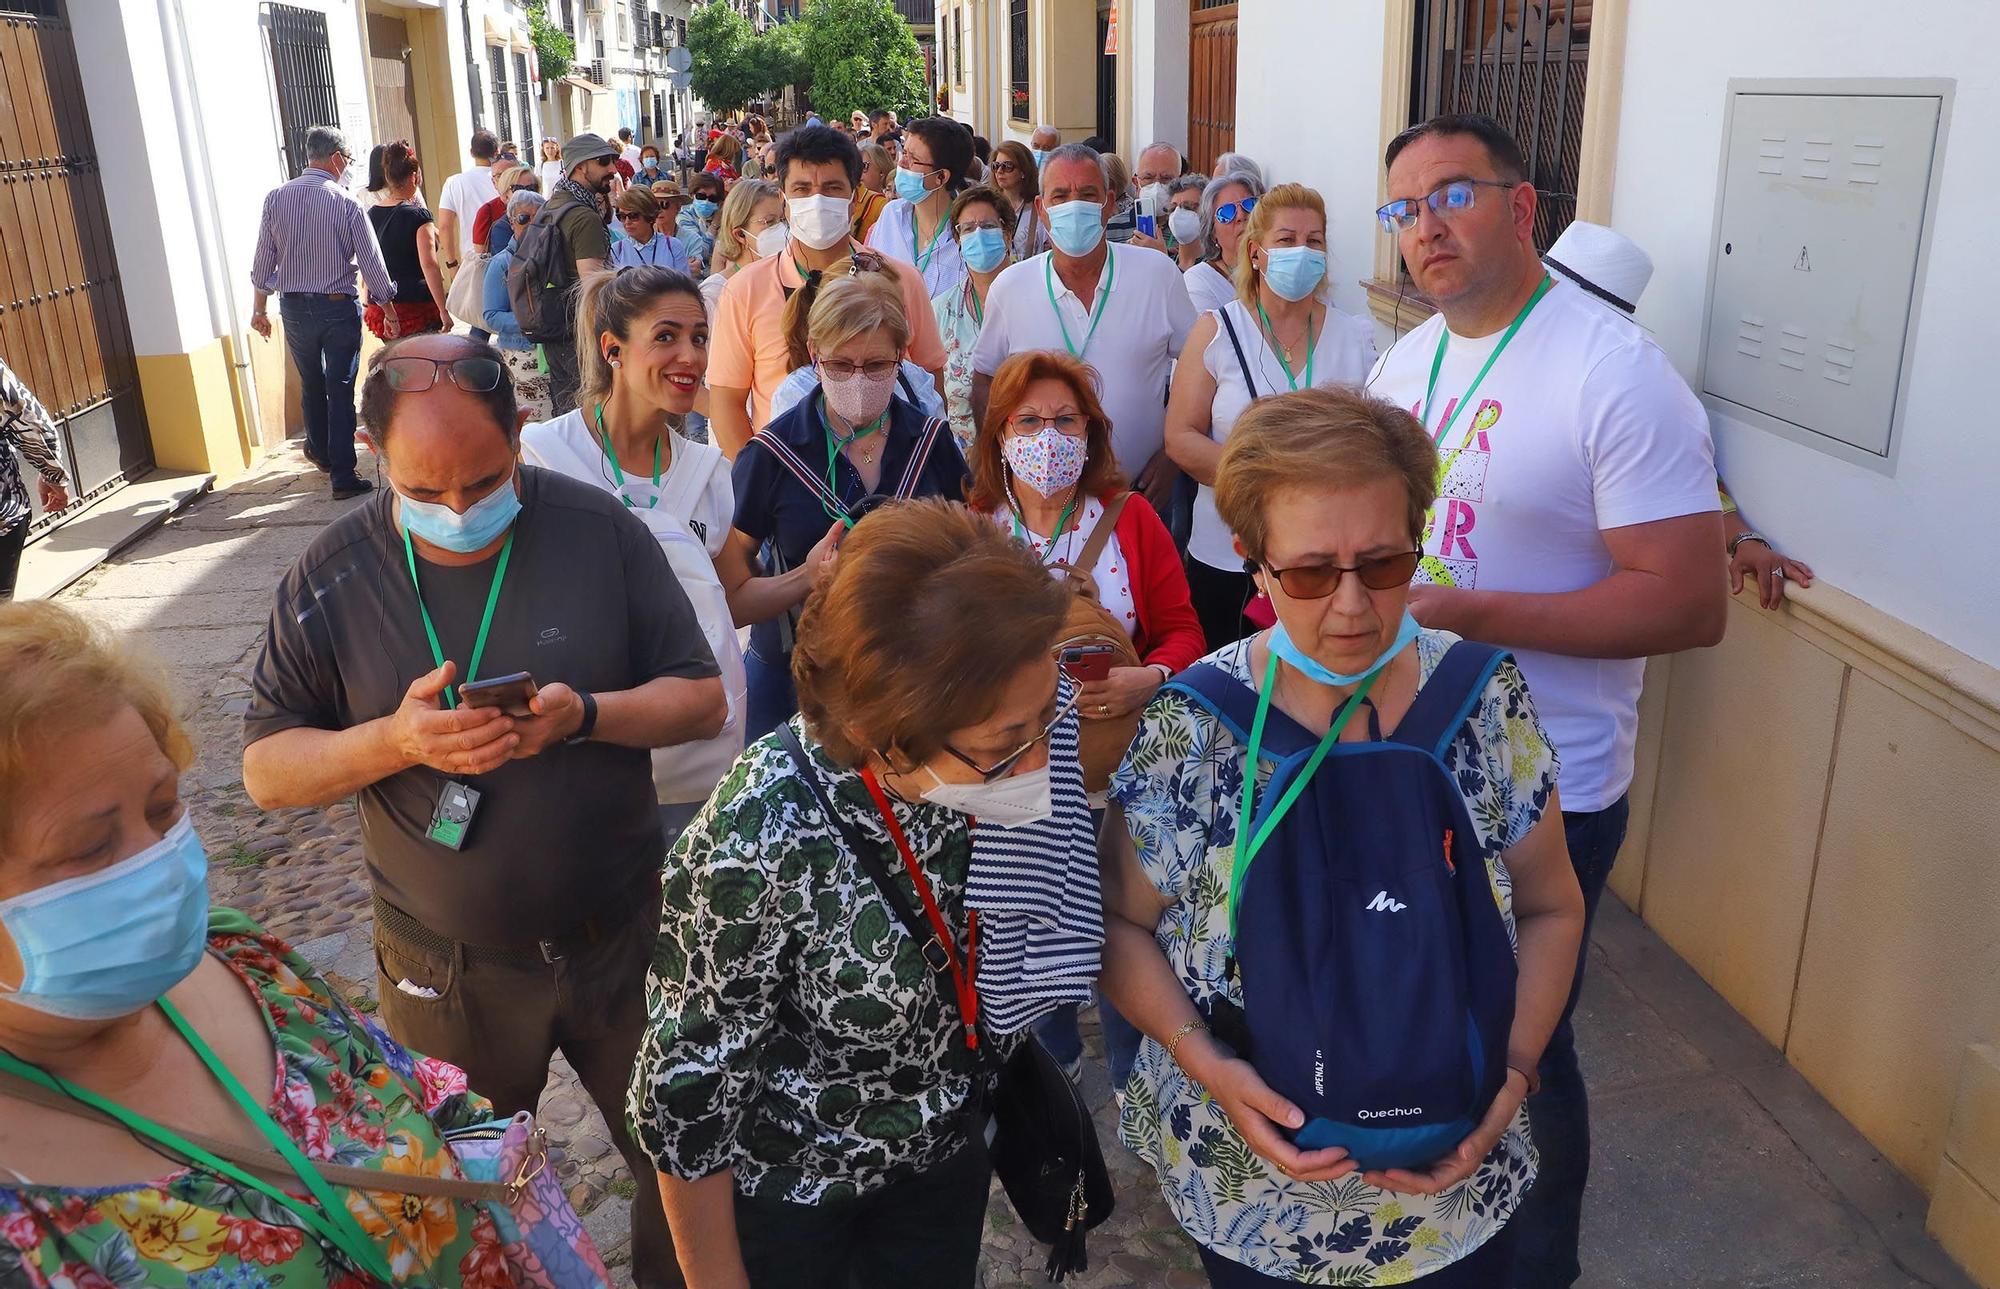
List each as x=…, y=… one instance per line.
x=1179, y=787
x=348, y=1094
x=794, y=1033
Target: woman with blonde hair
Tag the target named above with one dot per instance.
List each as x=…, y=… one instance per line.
x=913, y=383
x=1278, y=334
x=805, y=478
x=743, y=233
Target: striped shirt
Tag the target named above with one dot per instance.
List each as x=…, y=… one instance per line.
x=310, y=238
x=24, y=426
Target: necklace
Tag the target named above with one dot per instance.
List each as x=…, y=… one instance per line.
x=1043, y=550
x=1283, y=361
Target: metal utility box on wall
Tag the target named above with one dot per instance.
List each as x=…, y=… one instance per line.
x=1823, y=221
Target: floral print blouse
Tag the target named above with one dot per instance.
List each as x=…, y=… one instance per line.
x=794, y=1033
x=958, y=323
x=1179, y=787
x=348, y=1094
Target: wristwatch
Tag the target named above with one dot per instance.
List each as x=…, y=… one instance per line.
x=589, y=724
x=1742, y=537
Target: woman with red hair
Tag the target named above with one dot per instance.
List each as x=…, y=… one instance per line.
x=1043, y=468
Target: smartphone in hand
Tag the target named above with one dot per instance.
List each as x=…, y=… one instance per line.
x=1085, y=663
x=508, y=693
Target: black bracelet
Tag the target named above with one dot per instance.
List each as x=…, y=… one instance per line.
x=589, y=725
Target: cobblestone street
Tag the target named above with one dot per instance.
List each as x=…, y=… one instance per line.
x=1715, y=1163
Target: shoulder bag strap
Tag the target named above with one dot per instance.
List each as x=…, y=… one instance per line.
x=800, y=470
x=1100, y=536
x=866, y=855
x=1249, y=381
x=913, y=471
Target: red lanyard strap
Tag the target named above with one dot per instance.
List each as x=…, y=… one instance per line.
x=941, y=936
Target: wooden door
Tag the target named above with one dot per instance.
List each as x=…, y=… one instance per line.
x=62, y=306
x=1211, y=82
x=389, y=76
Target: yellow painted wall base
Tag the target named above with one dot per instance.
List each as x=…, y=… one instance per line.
x=193, y=412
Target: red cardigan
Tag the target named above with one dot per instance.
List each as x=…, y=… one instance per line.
x=1169, y=632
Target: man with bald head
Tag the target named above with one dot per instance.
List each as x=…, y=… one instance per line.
x=514, y=849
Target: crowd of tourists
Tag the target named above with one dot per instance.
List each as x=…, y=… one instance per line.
x=830, y=620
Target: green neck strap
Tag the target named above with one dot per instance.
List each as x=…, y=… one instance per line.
x=328, y=1219
x=1247, y=851
x=1284, y=362
x=619, y=474
x=485, y=620
x=1437, y=361
x=1096, y=315
x=835, y=442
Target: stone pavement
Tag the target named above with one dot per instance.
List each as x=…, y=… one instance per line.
x=1716, y=1164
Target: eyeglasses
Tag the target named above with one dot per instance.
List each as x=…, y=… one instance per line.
x=846, y=371
x=415, y=375
x=1230, y=211
x=1317, y=581
x=1000, y=769
x=967, y=230
x=1445, y=201
x=1004, y=167
x=1070, y=423
x=527, y=188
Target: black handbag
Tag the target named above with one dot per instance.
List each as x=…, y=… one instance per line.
x=1045, y=1149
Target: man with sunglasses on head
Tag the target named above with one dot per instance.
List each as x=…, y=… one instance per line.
x=511, y=837
x=1576, y=524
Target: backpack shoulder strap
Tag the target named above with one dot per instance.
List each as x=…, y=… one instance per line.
x=789, y=459
x=913, y=471
x=909, y=390
x=1234, y=703
x=1100, y=536
x=1449, y=696
x=702, y=461
x=1249, y=381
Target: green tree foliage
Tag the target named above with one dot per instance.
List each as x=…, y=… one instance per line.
x=779, y=58
x=726, y=72
x=555, y=49
x=861, y=55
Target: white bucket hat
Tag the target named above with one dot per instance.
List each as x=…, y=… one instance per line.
x=1604, y=262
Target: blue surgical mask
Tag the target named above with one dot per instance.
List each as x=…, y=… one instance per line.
x=481, y=524
x=1076, y=227
x=1294, y=272
x=1280, y=643
x=705, y=208
x=112, y=942
x=1041, y=156
x=651, y=163
x=983, y=249
x=910, y=185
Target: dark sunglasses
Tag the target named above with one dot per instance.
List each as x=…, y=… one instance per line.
x=1317, y=581
x=415, y=375
x=1229, y=211
x=1003, y=767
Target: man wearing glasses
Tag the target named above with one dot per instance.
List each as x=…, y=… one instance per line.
x=309, y=241
x=511, y=836
x=1576, y=524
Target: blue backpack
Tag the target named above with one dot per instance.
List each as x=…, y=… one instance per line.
x=1377, y=973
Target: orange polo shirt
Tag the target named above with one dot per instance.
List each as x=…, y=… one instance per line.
x=747, y=338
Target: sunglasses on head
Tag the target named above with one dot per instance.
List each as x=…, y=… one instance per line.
x=1230, y=211
x=415, y=375
x=1317, y=581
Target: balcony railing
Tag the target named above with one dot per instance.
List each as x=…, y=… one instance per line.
x=918, y=13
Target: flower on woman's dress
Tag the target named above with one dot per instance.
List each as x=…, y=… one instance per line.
x=236, y=1277
x=170, y=1231
x=438, y=1080
x=252, y=1241
x=416, y=1227
x=297, y=1114
x=484, y=1265
x=71, y=1212
x=80, y=1275
x=20, y=1229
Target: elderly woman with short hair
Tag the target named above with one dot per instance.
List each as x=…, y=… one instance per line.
x=1431, y=737
x=1226, y=204
x=811, y=1095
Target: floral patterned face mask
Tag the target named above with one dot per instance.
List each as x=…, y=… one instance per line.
x=1047, y=461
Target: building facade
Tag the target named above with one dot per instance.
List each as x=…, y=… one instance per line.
x=623, y=76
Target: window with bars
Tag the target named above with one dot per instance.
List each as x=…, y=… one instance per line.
x=1017, y=59
x=523, y=93
x=597, y=72
x=302, y=69
x=958, y=45
x=1521, y=62
x=503, y=113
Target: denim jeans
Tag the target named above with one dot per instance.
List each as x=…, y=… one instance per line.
x=324, y=337
x=770, y=700
x=1058, y=1035
x=1550, y=1219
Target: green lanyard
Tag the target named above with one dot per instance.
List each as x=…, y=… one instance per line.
x=619, y=474
x=1280, y=349
x=1097, y=315
x=972, y=298
x=1247, y=852
x=834, y=444
x=1444, y=338
x=485, y=621
x=329, y=1218
x=1026, y=538
x=923, y=257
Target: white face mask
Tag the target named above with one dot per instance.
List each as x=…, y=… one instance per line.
x=1018, y=799
x=770, y=241
x=1185, y=225
x=820, y=222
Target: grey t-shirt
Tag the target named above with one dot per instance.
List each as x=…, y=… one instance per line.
x=588, y=600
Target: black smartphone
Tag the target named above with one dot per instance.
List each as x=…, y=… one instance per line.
x=508, y=693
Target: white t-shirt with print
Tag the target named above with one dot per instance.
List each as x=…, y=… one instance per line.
x=1145, y=322
x=464, y=193
x=1581, y=426
x=1341, y=356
